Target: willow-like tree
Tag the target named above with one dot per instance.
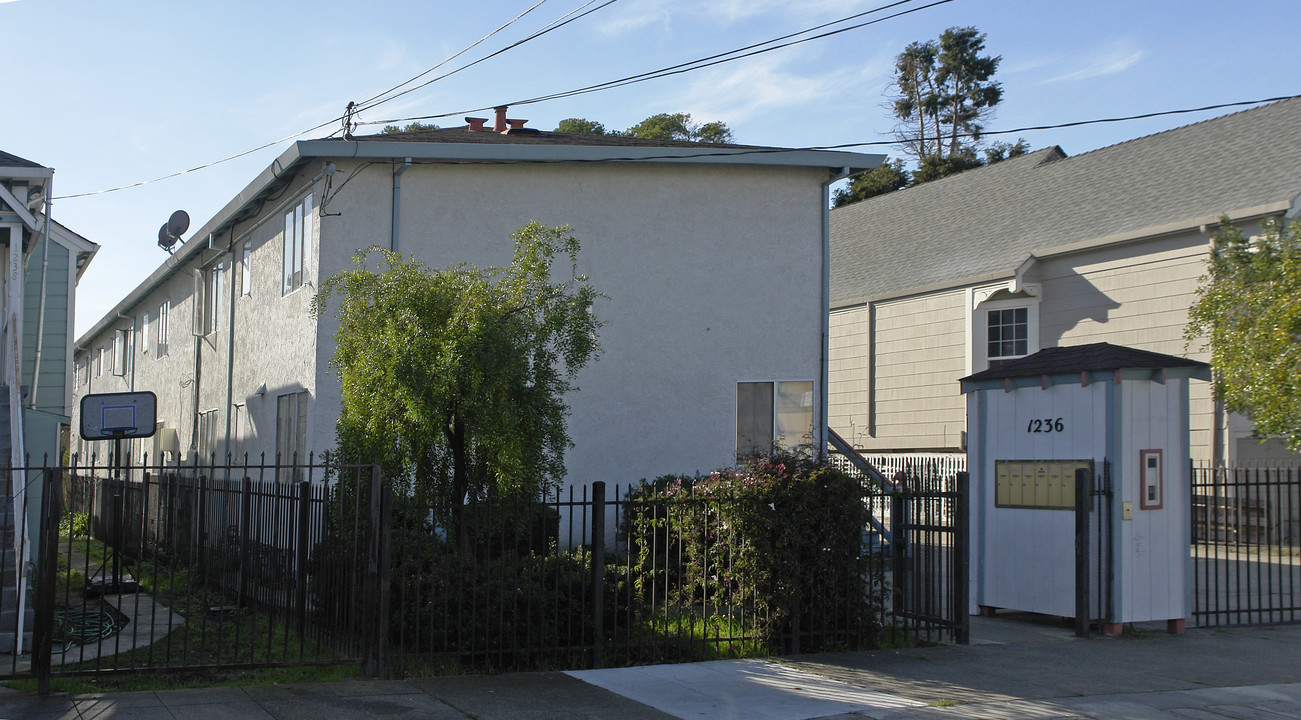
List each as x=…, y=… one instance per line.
x=455, y=379
x=1248, y=314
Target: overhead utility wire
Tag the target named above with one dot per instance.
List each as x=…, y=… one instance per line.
x=467, y=48
x=735, y=151
x=1076, y=123
x=704, y=62
x=553, y=25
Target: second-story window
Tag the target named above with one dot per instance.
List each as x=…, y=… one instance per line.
x=297, y=246
x=161, y=332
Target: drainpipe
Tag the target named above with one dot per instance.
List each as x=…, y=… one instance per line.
x=40, y=309
x=843, y=173
x=397, y=201
x=230, y=344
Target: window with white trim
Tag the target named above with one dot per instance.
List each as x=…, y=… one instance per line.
x=1004, y=327
x=144, y=335
x=206, y=442
x=1007, y=332
x=121, y=346
x=291, y=430
x=291, y=426
x=238, y=420
x=773, y=415
x=297, y=245
x=163, y=311
x=246, y=268
x=210, y=294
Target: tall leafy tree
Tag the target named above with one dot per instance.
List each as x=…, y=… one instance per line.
x=581, y=126
x=1248, y=314
x=944, y=93
x=455, y=379
x=411, y=127
x=679, y=126
x=887, y=177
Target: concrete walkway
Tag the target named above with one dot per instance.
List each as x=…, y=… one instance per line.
x=1016, y=667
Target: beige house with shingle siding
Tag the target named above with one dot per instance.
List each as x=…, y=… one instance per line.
x=938, y=281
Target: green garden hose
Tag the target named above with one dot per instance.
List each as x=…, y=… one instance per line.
x=78, y=627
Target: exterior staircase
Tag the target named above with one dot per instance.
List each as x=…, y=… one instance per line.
x=13, y=578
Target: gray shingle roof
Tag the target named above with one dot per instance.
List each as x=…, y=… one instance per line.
x=989, y=220
x=8, y=160
x=1083, y=358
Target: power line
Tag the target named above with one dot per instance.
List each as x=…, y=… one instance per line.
x=553, y=25
x=734, y=151
x=467, y=48
x=1076, y=123
x=708, y=61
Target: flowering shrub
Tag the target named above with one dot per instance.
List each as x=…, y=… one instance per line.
x=778, y=538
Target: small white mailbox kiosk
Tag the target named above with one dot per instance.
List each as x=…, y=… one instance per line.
x=1122, y=415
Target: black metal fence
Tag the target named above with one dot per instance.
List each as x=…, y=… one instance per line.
x=926, y=554
x=247, y=565
x=1246, y=545
x=183, y=567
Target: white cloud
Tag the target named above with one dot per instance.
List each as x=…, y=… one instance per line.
x=1118, y=55
x=723, y=13
x=737, y=93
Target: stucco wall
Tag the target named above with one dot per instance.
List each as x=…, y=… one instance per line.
x=274, y=338
x=711, y=275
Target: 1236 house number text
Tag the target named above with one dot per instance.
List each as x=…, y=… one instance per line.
x=1046, y=425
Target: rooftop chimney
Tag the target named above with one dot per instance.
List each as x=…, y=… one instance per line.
x=476, y=124
x=500, y=125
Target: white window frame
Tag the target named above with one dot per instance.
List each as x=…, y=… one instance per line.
x=164, y=310
x=238, y=421
x=144, y=334
x=121, y=347
x=206, y=442
x=997, y=297
x=296, y=247
x=291, y=430
x=209, y=297
x=785, y=438
x=246, y=268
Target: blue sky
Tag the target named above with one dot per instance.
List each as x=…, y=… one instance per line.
x=111, y=94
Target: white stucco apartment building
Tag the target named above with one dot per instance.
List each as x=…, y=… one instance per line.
x=712, y=260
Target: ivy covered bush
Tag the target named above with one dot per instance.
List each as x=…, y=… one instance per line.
x=777, y=539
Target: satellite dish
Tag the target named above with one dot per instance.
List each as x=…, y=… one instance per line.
x=172, y=230
x=165, y=239
x=178, y=223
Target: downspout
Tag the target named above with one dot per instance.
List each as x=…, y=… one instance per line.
x=230, y=345
x=397, y=202
x=40, y=308
x=129, y=351
x=198, y=363
x=826, y=305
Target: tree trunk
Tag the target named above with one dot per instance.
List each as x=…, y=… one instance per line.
x=460, y=479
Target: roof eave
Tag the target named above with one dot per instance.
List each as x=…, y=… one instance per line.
x=300, y=153
x=483, y=152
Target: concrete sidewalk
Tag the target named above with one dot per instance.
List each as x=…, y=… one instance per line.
x=1013, y=669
